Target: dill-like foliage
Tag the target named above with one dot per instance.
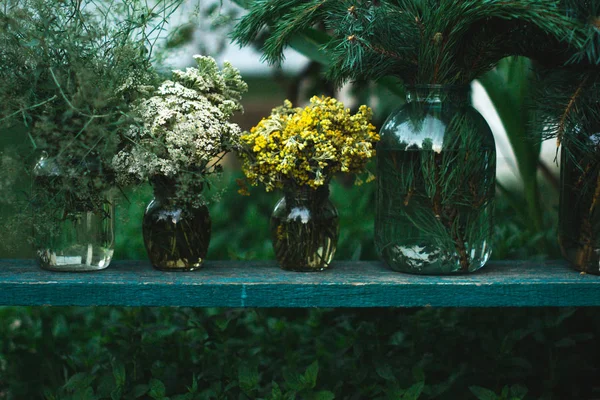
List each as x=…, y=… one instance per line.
x=420, y=41
x=69, y=71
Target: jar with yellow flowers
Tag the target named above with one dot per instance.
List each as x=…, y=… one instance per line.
x=298, y=150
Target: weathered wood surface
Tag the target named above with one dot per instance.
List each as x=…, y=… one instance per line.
x=262, y=284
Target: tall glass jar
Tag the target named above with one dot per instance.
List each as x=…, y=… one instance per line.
x=579, y=209
x=304, y=229
x=176, y=234
x=436, y=168
x=76, y=236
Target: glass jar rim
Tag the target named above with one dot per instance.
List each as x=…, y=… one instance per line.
x=436, y=93
x=439, y=86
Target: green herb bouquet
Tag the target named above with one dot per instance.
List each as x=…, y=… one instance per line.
x=299, y=150
x=68, y=74
x=180, y=134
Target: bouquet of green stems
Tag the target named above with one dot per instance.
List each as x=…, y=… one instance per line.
x=69, y=72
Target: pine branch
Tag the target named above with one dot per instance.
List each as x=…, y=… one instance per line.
x=570, y=105
x=425, y=41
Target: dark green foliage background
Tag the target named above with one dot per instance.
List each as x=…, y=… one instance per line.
x=182, y=353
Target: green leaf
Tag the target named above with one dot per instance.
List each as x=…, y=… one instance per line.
x=276, y=392
x=139, y=391
x=48, y=395
x=413, y=392
x=324, y=395
x=562, y=316
x=482, y=393
x=248, y=378
x=385, y=371
x=79, y=381
x=518, y=391
x=194, y=387
x=157, y=389
x=294, y=380
x=222, y=323
x=117, y=393
x=310, y=375
x=85, y=394
x=418, y=374
x=119, y=373
x=289, y=396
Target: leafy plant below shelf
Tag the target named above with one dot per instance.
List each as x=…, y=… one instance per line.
x=186, y=354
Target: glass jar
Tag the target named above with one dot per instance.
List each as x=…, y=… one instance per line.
x=75, y=235
x=579, y=208
x=436, y=168
x=176, y=234
x=304, y=229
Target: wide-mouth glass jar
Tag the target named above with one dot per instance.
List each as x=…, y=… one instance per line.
x=436, y=168
x=72, y=233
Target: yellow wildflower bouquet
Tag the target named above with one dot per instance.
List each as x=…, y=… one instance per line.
x=306, y=146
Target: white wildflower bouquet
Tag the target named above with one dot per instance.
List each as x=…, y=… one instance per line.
x=183, y=131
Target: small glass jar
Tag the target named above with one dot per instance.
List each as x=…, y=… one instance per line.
x=176, y=234
x=436, y=168
x=73, y=237
x=304, y=229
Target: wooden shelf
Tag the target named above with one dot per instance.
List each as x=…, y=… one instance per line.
x=263, y=284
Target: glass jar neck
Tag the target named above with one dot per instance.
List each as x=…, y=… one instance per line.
x=165, y=189
x=436, y=94
x=305, y=195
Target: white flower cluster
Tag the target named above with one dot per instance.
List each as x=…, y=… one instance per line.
x=184, y=126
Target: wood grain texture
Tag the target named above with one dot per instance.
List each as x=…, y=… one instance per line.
x=263, y=284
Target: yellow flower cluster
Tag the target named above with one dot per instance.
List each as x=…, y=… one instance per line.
x=308, y=145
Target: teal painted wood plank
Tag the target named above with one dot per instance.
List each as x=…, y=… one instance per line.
x=262, y=284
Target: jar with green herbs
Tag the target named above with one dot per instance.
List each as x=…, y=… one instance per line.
x=436, y=167
x=579, y=208
x=74, y=227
